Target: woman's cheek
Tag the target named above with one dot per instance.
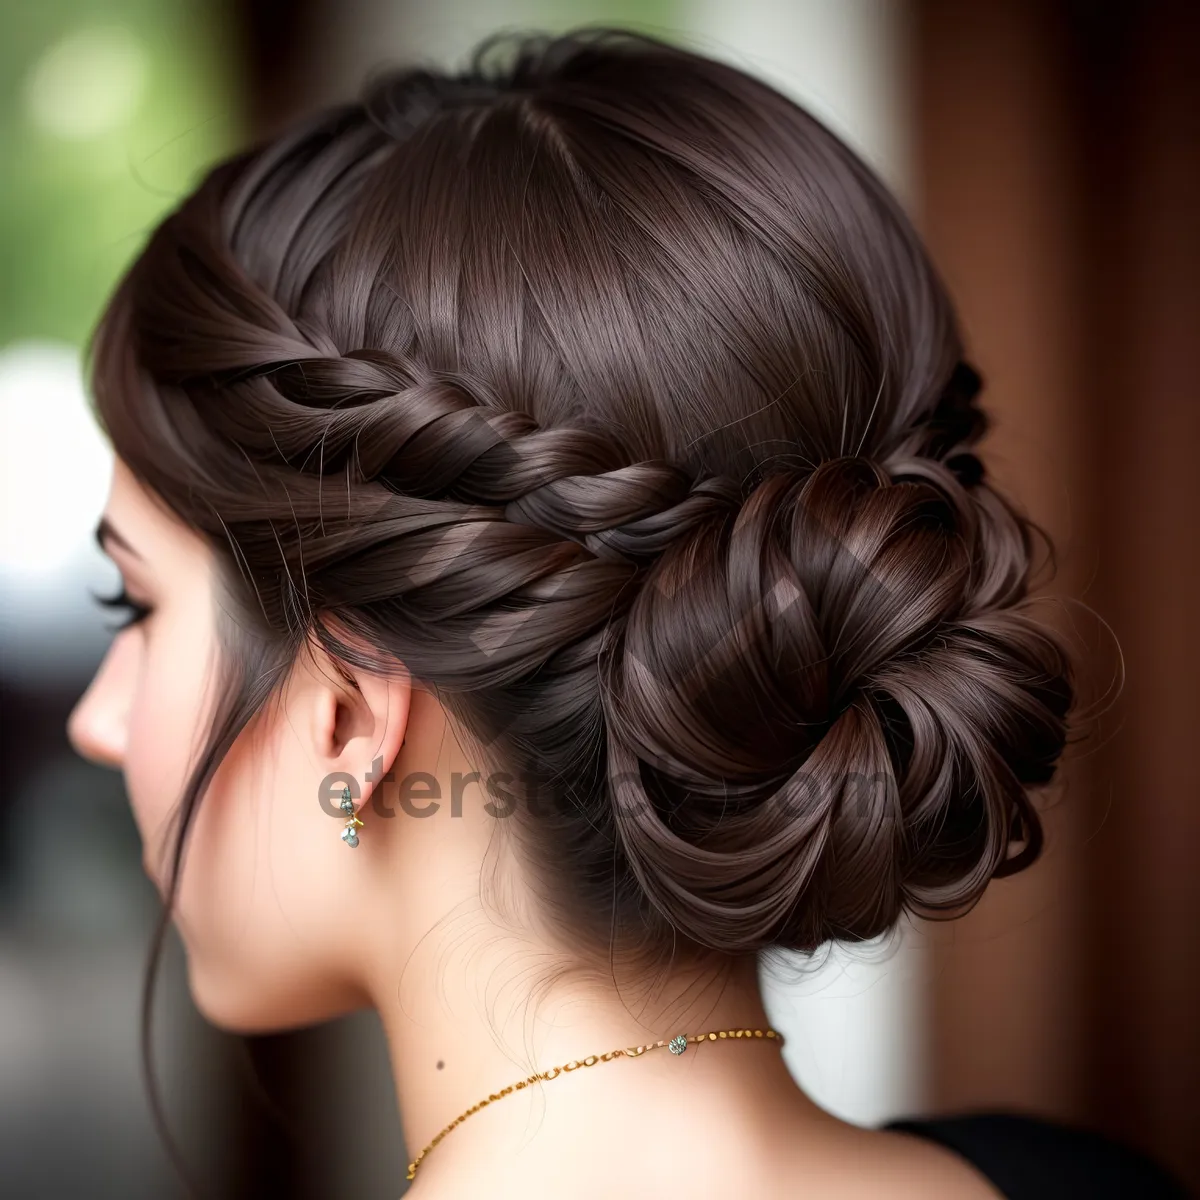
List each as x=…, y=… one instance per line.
x=152, y=778
x=164, y=731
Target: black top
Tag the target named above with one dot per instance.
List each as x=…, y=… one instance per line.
x=1027, y=1158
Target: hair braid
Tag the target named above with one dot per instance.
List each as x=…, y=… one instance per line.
x=610, y=395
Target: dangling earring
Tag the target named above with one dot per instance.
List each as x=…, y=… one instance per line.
x=349, y=834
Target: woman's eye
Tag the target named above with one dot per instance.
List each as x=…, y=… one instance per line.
x=122, y=600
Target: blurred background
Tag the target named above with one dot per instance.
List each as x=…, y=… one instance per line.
x=1049, y=150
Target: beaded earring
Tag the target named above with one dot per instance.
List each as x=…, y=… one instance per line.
x=350, y=833
x=353, y=824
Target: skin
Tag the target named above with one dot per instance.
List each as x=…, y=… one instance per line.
x=284, y=925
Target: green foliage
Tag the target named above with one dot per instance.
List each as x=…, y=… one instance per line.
x=109, y=110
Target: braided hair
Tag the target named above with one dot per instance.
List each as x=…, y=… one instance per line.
x=607, y=391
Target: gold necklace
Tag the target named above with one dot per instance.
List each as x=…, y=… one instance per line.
x=676, y=1045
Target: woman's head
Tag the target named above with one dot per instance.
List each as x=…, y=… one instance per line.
x=602, y=398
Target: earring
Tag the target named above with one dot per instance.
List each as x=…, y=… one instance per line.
x=349, y=834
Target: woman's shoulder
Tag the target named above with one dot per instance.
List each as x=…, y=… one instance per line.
x=1028, y=1158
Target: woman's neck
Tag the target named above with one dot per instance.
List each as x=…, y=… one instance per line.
x=473, y=997
x=457, y=1037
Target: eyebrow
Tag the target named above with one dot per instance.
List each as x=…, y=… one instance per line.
x=107, y=532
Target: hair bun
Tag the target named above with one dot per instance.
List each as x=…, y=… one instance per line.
x=479, y=369
x=831, y=698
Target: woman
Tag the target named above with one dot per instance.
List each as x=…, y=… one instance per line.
x=558, y=572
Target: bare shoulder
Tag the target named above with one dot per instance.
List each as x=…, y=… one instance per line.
x=869, y=1164
x=919, y=1167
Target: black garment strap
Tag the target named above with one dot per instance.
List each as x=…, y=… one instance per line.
x=1028, y=1158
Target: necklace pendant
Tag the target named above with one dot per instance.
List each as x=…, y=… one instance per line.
x=678, y=1044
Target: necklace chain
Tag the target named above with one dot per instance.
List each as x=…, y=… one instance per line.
x=677, y=1045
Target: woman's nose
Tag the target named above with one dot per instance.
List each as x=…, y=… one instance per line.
x=98, y=725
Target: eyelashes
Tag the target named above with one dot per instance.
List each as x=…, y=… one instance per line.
x=122, y=600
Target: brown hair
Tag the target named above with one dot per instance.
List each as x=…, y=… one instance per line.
x=610, y=393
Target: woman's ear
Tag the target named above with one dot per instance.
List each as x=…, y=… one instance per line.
x=359, y=720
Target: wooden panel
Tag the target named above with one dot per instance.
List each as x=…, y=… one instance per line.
x=1059, y=166
x=994, y=187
